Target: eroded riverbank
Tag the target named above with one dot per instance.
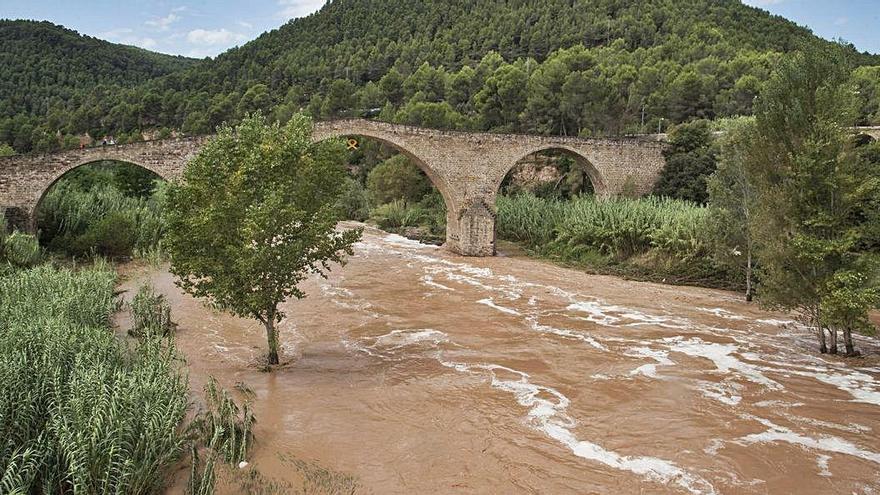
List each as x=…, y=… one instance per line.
x=419, y=371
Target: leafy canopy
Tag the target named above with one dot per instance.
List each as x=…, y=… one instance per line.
x=254, y=216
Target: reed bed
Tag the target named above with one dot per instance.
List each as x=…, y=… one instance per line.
x=81, y=412
x=618, y=227
x=75, y=220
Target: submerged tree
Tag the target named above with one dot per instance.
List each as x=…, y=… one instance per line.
x=812, y=188
x=254, y=215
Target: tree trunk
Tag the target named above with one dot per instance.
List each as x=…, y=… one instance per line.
x=848, y=342
x=272, y=336
x=823, y=348
x=832, y=340
x=749, y=278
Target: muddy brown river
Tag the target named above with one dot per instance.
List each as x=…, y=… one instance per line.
x=418, y=371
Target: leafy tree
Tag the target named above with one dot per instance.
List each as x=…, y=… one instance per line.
x=254, y=215
x=341, y=99
x=690, y=160
x=732, y=198
x=812, y=187
x=397, y=178
x=434, y=115
x=6, y=150
x=502, y=98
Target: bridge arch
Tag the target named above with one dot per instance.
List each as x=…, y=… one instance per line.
x=51, y=180
x=325, y=132
x=595, y=175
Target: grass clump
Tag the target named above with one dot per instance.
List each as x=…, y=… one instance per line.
x=150, y=313
x=223, y=431
x=20, y=250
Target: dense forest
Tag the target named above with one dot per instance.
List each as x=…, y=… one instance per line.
x=45, y=68
x=572, y=67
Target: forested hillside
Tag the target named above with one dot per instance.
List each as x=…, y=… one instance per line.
x=575, y=67
x=44, y=68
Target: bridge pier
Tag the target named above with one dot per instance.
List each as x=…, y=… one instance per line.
x=18, y=218
x=473, y=233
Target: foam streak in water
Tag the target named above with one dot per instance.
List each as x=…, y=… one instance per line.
x=547, y=413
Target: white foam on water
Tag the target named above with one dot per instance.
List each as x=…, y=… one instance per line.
x=724, y=392
x=722, y=313
x=722, y=356
x=714, y=446
x=860, y=385
x=547, y=413
x=776, y=404
x=429, y=281
x=822, y=462
x=401, y=241
x=850, y=428
x=649, y=370
x=566, y=333
x=777, y=323
x=491, y=303
x=611, y=315
x=595, y=311
x=402, y=338
x=776, y=433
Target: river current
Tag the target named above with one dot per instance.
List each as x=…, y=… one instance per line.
x=418, y=371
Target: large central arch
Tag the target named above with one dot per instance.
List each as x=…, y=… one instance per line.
x=414, y=146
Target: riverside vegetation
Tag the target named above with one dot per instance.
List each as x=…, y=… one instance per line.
x=83, y=410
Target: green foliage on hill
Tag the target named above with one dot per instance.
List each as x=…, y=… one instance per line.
x=575, y=67
x=45, y=69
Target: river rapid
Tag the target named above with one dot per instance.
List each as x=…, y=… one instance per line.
x=418, y=371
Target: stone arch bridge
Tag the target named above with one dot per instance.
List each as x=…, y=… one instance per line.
x=467, y=168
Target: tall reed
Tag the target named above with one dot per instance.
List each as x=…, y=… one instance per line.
x=79, y=411
x=618, y=227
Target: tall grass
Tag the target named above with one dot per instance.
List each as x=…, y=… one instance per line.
x=76, y=220
x=150, y=314
x=650, y=238
x=20, y=250
x=619, y=227
x=79, y=411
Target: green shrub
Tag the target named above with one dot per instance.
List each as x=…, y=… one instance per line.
x=397, y=179
x=21, y=250
x=397, y=215
x=150, y=313
x=353, y=203
x=113, y=235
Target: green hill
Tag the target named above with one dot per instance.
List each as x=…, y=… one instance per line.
x=43, y=67
x=586, y=67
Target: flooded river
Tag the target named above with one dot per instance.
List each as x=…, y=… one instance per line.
x=417, y=371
